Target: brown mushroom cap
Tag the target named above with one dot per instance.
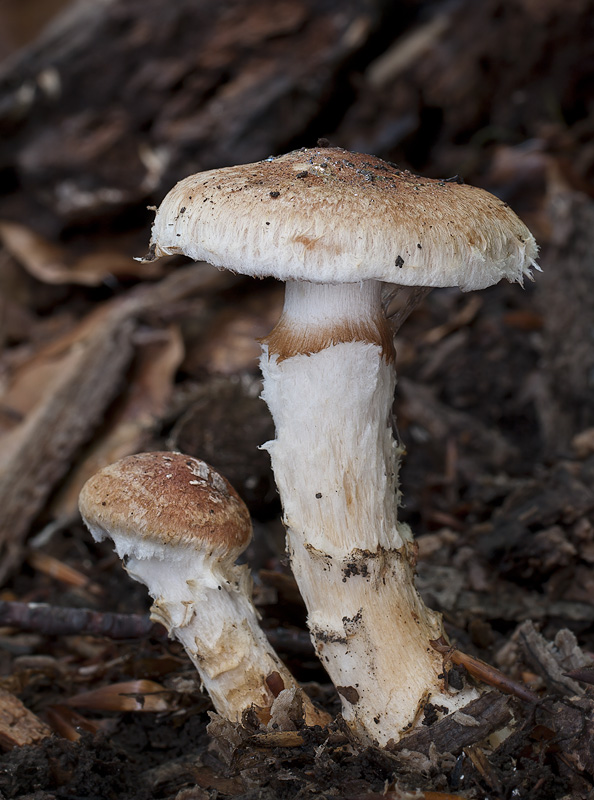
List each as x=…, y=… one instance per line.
x=166, y=499
x=330, y=216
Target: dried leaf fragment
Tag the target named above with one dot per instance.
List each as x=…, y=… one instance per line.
x=583, y=674
x=140, y=695
x=50, y=263
x=69, y=724
x=54, y=568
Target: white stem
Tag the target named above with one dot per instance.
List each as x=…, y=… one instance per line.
x=336, y=467
x=211, y=614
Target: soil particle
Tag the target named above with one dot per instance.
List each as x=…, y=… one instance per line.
x=91, y=768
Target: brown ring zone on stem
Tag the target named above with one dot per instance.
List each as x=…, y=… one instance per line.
x=288, y=339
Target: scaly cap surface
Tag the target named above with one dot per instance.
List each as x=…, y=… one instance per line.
x=330, y=216
x=166, y=500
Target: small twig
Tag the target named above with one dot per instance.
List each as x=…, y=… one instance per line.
x=59, y=621
x=484, y=672
x=62, y=621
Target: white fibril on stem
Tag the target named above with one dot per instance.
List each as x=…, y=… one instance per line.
x=205, y=603
x=336, y=466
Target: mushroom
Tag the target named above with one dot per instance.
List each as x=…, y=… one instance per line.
x=179, y=526
x=335, y=225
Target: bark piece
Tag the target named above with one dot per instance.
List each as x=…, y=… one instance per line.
x=574, y=723
x=475, y=722
x=552, y=660
x=417, y=102
x=83, y=373
x=18, y=725
x=422, y=406
x=85, y=377
x=565, y=293
x=184, y=87
x=133, y=418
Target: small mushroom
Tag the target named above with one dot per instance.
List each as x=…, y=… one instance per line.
x=335, y=226
x=179, y=526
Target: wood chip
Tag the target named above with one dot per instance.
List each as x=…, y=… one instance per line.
x=552, y=660
x=277, y=739
x=18, y=725
x=491, y=712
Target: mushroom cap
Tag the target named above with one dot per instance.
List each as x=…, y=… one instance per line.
x=153, y=501
x=326, y=215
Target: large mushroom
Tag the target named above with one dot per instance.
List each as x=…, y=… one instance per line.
x=335, y=225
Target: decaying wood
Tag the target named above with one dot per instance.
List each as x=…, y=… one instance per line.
x=573, y=721
x=552, y=660
x=184, y=87
x=131, y=420
x=420, y=404
x=88, y=376
x=565, y=293
x=86, y=372
x=277, y=739
x=448, y=81
x=101, y=116
x=489, y=713
x=480, y=762
x=18, y=725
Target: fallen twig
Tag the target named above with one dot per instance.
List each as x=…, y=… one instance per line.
x=484, y=672
x=63, y=621
x=60, y=621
